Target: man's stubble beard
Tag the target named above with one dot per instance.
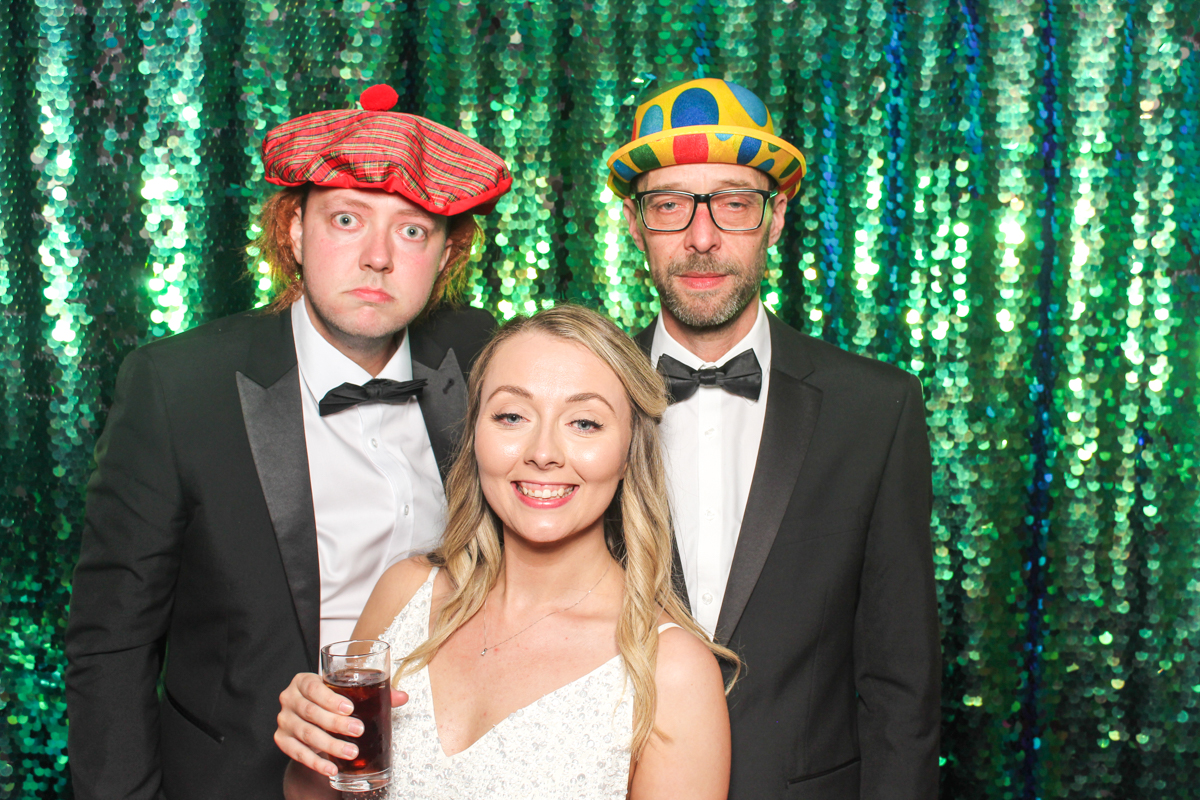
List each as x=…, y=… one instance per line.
x=364, y=341
x=707, y=310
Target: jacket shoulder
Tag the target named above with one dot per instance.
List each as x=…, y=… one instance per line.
x=245, y=326
x=833, y=364
x=217, y=345
x=464, y=329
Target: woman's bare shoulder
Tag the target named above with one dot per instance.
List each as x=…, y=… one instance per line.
x=689, y=754
x=394, y=589
x=684, y=661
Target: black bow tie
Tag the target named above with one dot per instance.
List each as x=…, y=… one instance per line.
x=741, y=375
x=379, y=390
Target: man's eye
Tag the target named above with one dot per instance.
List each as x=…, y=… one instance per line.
x=413, y=232
x=345, y=220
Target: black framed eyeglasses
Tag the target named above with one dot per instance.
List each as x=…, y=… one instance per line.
x=731, y=209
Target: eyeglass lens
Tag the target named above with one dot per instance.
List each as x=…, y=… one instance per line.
x=734, y=211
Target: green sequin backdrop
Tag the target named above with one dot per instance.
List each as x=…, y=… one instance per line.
x=1002, y=198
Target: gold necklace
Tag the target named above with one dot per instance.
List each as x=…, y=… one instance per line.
x=486, y=647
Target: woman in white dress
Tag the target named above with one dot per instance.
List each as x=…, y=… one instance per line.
x=545, y=654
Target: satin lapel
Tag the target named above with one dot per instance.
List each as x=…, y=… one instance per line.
x=645, y=338
x=791, y=418
x=444, y=406
x=270, y=395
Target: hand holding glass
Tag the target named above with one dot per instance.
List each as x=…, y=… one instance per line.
x=360, y=670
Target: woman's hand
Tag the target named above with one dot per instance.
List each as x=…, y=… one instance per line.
x=310, y=712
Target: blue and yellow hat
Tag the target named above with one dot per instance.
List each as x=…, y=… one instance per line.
x=705, y=121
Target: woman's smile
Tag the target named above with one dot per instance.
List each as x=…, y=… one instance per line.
x=544, y=494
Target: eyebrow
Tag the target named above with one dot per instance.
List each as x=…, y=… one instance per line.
x=345, y=201
x=517, y=390
x=675, y=186
x=353, y=202
x=582, y=397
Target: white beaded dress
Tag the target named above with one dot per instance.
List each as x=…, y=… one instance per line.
x=573, y=743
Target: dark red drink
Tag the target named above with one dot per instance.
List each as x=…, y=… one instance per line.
x=370, y=692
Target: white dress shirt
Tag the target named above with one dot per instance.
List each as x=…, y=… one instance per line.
x=711, y=442
x=377, y=493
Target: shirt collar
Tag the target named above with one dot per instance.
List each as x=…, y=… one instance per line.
x=324, y=367
x=757, y=339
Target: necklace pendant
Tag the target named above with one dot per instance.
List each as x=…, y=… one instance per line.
x=483, y=652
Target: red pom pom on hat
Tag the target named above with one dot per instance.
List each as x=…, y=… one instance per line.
x=379, y=97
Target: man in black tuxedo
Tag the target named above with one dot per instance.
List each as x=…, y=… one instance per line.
x=800, y=474
x=258, y=473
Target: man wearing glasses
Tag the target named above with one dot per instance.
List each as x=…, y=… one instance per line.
x=800, y=473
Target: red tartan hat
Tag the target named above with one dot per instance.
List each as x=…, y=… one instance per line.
x=439, y=169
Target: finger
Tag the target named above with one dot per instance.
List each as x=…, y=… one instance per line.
x=313, y=689
x=399, y=698
x=325, y=744
x=306, y=714
x=296, y=751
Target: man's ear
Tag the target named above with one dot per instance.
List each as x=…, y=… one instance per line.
x=778, y=213
x=297, y=234
x=629, y=209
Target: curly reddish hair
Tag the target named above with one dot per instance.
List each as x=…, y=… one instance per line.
x=274, y=243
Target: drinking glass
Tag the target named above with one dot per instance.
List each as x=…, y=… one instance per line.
x=361, y=670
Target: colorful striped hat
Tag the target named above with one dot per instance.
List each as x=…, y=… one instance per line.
x=705, y=121
x=372, y=147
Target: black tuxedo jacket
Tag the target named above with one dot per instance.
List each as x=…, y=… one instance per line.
x=200, y=552
x=830, y=600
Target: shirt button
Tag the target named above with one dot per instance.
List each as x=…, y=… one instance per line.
x=709, y=514
x=707, y=598
x=710, y=431
x=406, y=509
x=374, y=444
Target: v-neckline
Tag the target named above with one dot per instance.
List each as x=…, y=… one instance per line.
x=433, y=704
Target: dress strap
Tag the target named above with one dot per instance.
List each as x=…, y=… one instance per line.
x=666, y=625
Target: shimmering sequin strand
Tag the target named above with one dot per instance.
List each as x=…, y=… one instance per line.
x=173, y=176
x=803, y=284
x=527, y=68
x=1002, y=199
x=1126, y=604
x=265, y=93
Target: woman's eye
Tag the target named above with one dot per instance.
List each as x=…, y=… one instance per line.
x=587, y=425
x=507, y=419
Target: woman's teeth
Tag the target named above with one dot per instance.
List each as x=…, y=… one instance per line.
x=544, y=493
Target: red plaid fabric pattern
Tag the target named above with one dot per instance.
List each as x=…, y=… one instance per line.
x=435, y=167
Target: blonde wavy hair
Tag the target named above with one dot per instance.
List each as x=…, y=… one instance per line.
x=274, y=244
x=637, y=525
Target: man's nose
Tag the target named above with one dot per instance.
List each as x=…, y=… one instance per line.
x=703, y=235
x=377, y=251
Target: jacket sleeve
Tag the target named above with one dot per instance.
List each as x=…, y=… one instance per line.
x=897, y=656
x=122, y=594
